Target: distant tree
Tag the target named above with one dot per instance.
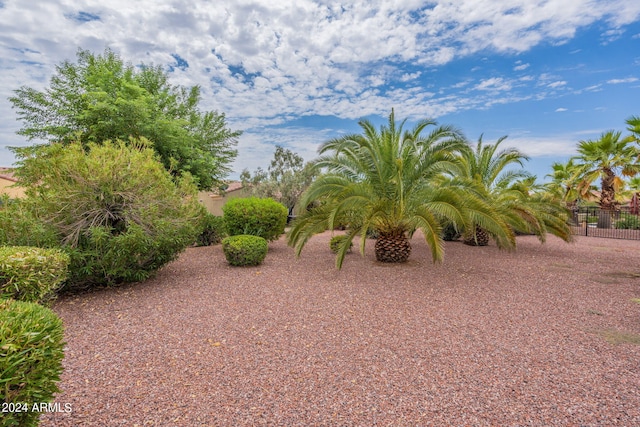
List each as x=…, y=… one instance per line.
x=101, y=98
x=609, y=158
x=285, y=180
x=565, y=184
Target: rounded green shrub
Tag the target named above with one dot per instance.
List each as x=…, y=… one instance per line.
x=336, y=241
x=31, y=353
x=213, y=230
x=254, y=216
x=243, y=250
x=31, y=274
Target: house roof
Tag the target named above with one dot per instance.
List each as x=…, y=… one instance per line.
x=6, y=173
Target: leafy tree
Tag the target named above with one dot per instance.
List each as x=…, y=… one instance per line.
x=386, y=180
x=633, y=126
x=112, y=207
x=101, y=98
x=609, y=158
x=285, y=180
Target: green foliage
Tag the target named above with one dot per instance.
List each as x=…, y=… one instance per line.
x=213, y=230
x=284, y=181
x=630, y=222
x=450, y=233
x=31, y=353
x=259, y=217
x=608, y=158
x=337, y=241
x=101, y=98
x=114, y=209
x=21, y=226
x=31, y=274
x=245, y=250
x=389, y=180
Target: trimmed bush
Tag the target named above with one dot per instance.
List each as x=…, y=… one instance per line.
x=243, y=250
x=336, y=241
x=31, y=274
x=213, y=230
x=254, y=216
x=31, y=353
x=629, y=223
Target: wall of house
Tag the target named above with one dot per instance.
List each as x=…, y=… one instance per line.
x=214, y=202
x=7, y=187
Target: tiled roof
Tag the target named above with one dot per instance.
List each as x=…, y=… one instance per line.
x=6, y=173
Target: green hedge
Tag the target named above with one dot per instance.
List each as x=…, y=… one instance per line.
x=31, y=353
x=630, y=222
x=254, y=216
x=31, y=274
x=243, y=250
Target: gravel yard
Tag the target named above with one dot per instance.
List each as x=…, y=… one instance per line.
x=547, y=335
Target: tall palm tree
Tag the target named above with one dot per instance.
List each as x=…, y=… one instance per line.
x=512, y=192
x=609, y=158
x=385, y=180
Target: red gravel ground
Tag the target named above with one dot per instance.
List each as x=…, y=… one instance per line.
x=543, y=336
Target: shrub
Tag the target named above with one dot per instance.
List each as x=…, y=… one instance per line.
x=114, y=208
x=213, y=230
x=629, y=223
x=242, y=250
x=20, y=226
x=336, y=241
x=258, y=217
x=31, y=353
x=450, y=233
x=31, y=274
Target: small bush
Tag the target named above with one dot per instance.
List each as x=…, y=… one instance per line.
x=31, y=353
x=254, y=216
x=629, y=223
x=450, y=233
x=213, y=230
x=31, y=274
x=242, y=250
x=336, y=241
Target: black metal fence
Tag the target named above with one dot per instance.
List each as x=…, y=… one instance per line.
x=594, y=222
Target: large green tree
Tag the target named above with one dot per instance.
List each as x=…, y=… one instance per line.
x=100, y=98
x=385, y=180
x=608, y=158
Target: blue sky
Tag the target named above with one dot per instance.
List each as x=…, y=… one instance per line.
x=547, y=73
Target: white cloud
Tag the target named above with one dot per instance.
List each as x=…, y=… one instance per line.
x=557, y=84
x=261, y=61
x=619, y=81
x=560, y=110
x=495, y=83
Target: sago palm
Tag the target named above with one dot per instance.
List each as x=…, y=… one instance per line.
x=386, y=181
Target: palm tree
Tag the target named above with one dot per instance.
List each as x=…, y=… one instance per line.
x=607, y=158
x=565, y=184
x=633, y=126
x=512, y=193
x=386, y=181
